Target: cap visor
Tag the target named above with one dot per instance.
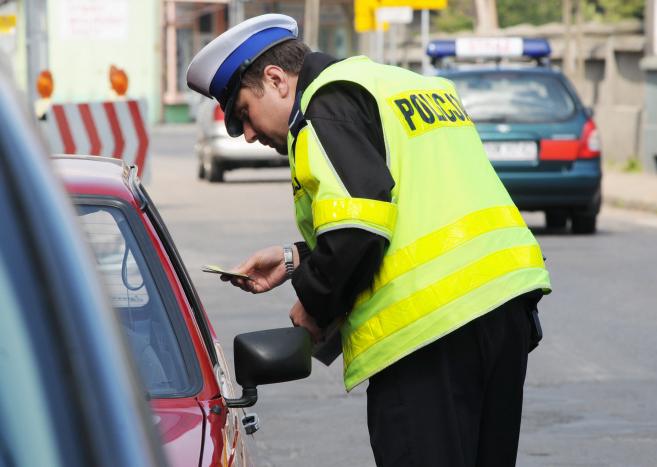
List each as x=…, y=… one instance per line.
x=233, y=124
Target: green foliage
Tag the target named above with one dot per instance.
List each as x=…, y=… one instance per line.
x=512, y=12
x=615, y=10
x=633, y=165
x=460, y=14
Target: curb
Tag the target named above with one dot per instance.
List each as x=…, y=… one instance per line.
x=634, y=191
x=632, y=204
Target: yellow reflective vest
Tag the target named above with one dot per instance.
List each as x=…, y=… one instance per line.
x=458, y=247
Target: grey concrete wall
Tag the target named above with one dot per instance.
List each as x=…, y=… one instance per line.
x=629, y=87
x=614, y=87
x=649, y=128
x=620, y=131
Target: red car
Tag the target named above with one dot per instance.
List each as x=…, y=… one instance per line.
x=174, y=345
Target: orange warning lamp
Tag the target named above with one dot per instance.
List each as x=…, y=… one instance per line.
x=119, y=80
x=45, y=84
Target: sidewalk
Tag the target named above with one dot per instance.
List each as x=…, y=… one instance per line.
x=630, y=190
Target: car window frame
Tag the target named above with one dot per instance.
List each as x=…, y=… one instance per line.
x=181, y=271
x=163, y=286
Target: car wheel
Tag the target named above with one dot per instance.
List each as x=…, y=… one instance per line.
x=556, y=219
x=216, y=173
x=201, y=170
x=584, y=223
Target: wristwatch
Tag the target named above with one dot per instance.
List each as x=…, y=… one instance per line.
x=288, y=259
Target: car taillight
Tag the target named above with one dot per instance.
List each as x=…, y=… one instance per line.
x=586, y=147
x=590, y=144
x=218, y=114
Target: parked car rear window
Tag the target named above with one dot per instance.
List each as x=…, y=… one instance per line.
x=135, y=298
x=514, y=97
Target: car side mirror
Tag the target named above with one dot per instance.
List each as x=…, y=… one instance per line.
x=589, y=111
x=270, y=356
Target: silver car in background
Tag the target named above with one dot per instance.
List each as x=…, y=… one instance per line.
x=217, y=152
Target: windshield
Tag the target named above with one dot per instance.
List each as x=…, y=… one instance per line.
x=136, y=299
x=514, y=98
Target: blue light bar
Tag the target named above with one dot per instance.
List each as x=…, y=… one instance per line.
x=497, y=47
x=536, y=48
x=441, y=48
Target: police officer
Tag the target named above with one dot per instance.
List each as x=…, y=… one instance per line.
x=411, y=241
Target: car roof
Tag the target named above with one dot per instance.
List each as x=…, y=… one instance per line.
x=492, y=69
x=100, y=176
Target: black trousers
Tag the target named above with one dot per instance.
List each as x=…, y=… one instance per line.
x=456, y=402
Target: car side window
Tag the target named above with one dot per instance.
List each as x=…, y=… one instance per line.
x=115, y=262
x=136, y=299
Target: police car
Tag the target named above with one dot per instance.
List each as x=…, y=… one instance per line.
x=539, y=136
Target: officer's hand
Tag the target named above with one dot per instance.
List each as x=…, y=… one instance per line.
x=266, y=269
x=300, y=318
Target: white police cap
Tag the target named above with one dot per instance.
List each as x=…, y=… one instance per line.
x=217, y=69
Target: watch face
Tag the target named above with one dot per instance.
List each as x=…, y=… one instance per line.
x=288, y=260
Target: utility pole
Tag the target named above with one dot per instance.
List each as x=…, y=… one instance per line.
x=235, y=12
x=426, y=65
x=579, y=43
x=651, y=27
x=36, y=39
x=486, y=16
x=171, y=60
x=649, y=66
x=380, y=46
x=567, y=19
x=311, y=24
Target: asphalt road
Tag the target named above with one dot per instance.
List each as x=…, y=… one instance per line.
x=591, y=384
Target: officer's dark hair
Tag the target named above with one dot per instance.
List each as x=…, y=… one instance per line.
x=288, y=55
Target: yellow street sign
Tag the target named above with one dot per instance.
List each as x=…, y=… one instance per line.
x=365, y=16
x=416, y=4
x=365, y=10
x=7, y=24
x=364, y=19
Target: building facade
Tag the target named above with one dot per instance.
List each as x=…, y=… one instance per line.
x=152, y=41
x=79, y=41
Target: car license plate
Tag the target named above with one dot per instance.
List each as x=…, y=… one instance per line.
x=511, y=151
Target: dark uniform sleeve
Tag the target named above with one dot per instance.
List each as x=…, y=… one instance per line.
x=329, y=278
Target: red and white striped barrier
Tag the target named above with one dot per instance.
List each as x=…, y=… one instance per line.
x=111, y=129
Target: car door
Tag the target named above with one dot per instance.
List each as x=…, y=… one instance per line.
x=167, y=340
x=225, y=437
x=149, y=313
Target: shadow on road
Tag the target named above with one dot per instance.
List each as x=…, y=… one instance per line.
x=256, y=180
x=563, y=232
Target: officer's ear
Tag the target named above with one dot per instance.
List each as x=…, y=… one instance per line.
x=279, y=79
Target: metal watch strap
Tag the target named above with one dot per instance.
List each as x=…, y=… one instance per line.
x=288, y=259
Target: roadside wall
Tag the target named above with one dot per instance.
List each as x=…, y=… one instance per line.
x=612, y=83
